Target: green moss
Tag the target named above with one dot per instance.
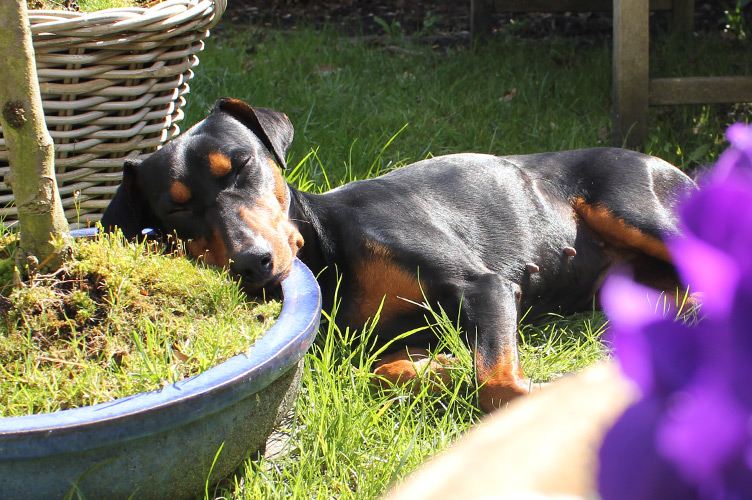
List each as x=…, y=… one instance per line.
x=6, y=272
x=119, y=319
x=85, y=5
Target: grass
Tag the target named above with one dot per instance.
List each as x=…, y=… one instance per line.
x=352, y=440
x=119, y=319
x=362, y=106
x=348, y=96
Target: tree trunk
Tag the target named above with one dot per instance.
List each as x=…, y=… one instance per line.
x=30, y=148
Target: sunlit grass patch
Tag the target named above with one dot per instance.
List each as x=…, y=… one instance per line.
x=353, y=438
x=556, y=345
x=349, y=438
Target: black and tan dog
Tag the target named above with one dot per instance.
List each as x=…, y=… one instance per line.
x=485, y=237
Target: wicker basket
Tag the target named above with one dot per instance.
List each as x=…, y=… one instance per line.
x=113, y=83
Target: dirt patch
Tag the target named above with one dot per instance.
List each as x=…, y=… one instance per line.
x=360, y=17
x=354, y=16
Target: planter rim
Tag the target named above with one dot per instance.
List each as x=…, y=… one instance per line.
x=140, y=415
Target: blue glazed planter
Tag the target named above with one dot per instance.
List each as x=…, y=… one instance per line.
x=162, y=444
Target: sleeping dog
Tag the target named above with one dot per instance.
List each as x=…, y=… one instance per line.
x=484, y=237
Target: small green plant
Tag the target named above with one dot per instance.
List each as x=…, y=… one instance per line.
x=393, y=30
x=734, y=20
x=429, y=23
x=121, y=318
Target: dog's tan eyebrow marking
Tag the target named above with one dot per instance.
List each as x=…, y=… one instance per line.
x=179, y=192
x=219, y=164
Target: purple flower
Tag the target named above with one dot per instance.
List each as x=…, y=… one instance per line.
x=690, y=436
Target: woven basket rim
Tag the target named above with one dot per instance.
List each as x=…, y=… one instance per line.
x=45, y=21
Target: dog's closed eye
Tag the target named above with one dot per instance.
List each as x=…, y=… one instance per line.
x=178, y=209
x=247, y=162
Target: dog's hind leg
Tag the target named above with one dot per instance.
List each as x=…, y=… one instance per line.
x=414, y=367
x=636, y=237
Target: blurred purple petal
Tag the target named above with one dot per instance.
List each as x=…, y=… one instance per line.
x=716, y=249
x=691, y=434
x=630, y=466
x=721, y=215
x=633, y=352
x=657, y=353
x=628, y=308
x=703, y=430
x=707, y=270
x=735, y=164
x=740, y=136
x=739, y=333
x=737, y=482
x=675, y=353
x=629, y=305
x=740, y=322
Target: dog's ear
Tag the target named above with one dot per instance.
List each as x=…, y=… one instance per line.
x=128, y=209
x=273, y=128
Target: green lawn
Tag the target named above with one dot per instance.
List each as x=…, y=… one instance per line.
x=364, y=106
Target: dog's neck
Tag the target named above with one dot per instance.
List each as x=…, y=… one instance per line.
x=317, y=252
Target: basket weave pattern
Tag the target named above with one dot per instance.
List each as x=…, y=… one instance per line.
x=113, y=83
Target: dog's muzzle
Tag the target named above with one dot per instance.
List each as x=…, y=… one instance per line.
x=254, y=267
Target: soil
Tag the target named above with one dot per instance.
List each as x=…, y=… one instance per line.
x=447, y=17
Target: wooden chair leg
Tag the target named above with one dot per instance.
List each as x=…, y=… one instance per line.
x=480, y=18
x=630, y=72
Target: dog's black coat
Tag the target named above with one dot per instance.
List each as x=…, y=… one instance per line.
x=485, y=237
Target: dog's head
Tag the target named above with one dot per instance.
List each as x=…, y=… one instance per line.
x=219, y=188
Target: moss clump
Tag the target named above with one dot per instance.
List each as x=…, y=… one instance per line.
x=86, y=5
x=119, y=319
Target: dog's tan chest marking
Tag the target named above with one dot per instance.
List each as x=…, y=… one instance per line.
x=378, y=278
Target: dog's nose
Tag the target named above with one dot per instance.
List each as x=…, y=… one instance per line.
x=255, y=267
